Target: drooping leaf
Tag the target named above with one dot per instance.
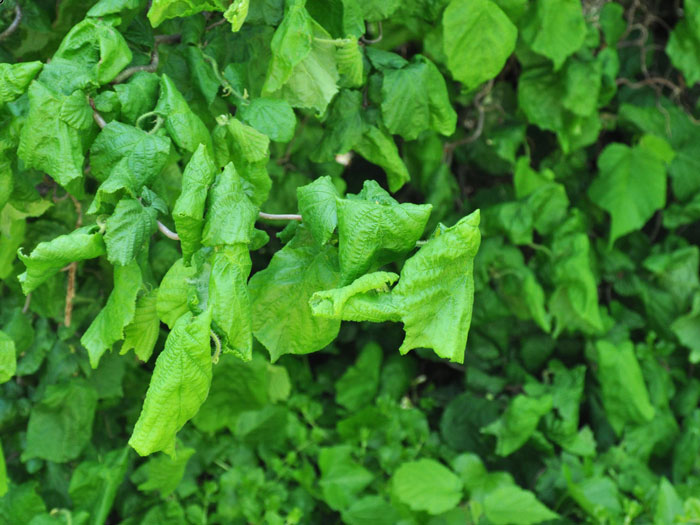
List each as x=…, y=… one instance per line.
x=14, y=79
x=173, y=292
x=179, y=386
x=317, y=205
x=379, y=148
x=162, y=10
x=108, y=327
x=127, y=230
x=141, y=333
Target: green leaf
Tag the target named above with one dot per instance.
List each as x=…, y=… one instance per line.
x=612, y=22
x=94, y=484
x=144, y=155
x=127, y=230
x=282, y=318
x=365, y=299
x=625, y=395
x=47, y=259
x=161, y=10
x=162, y=473
x=317, y=205
x=350, y=62
x=188, y=212
x=357, y=387
x=237, y=13
x=272, y=117
x=60, y=425
x=179, y=386
x=173, y=292
x=631, y=187
x=141, y=333
x=683, y=48
x=8, y=358
x=511, y=505
x=687, y=329
x=185, y=128
x=426, y=485
x=554, y=29
x=375, y=229
x=49, y=143
x=3, y=474
x=379, y=148
x=21, y=503
x=108, y=327
x=137, y=96
x=14, y=79
x=344, y=127
x=478, y=38
x=229, y=299
x=415, y=99
x=342, y=478
x=518, y=423
x=231, y=215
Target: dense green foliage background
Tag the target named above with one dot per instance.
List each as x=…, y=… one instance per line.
x=393, y=127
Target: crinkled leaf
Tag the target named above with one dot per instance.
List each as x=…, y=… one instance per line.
x=237, y=13
x=161, y=10
x=138, y=95
x=49, y=257
x=282, y=318
x=108, y=327
x=179, y=385
x=14, y=79
x=231, y=215
x=127, y=230
x=188, y=212
x=317, y=205
x=173, y=292
x=141, y=333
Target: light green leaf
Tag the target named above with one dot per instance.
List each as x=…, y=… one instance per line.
x=237, y=13
x=518, y=423
x=350, y=62
x=173, y=292
x=631, y=187
x=141, y=333
x=185, y=128
x=108, y=327
x=161, y=10
x=365, y=299
x=138, y=95
x=94, y=484
x=318, y=207
x=342, y=478
x=379, y=148
x=60, y=425
x=4, y=485
x=554, y=28
x=375, y=229
x=272, y=117
x=478, y=38
x=415, y=99
x=625, y=395
x=162, y=473
x=426, y=485
x=683, y=48
x=49, y=143
x=229, y=299
x=231, y=215
x=282, y=318
x=8, y=358
x=14, y=79
x=511, y=505
x=179, y=385
x=127, y=230
x=188, y=212
x=377, y=10
x=47, y=259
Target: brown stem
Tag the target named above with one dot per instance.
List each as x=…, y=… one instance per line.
x=151, y=67
x=70, y=293
x=13, y=26
x=101, y=122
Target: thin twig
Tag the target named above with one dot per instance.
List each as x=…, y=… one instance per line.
x=217, y=344
x=101, y=122
x=167, y=39
x=167, y=231
x=13, y=26
x=151, y=67
x=282, y=217
x=27, y=302
x=70, y=293
x=215, y=24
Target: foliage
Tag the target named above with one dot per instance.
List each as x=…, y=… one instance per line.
x=430, y=261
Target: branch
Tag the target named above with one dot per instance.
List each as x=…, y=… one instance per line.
x=151, y=67
x=283, y=217
x=13, y=26
x=101, y=122
x=167, y=232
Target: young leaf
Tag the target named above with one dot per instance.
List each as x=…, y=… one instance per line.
x=282, y=318
x=188, y=212
x=179, y=386
x=127, y=230
x=48, y=258
x=108, y=327
x=231, y=216
x=141, y=333
x=478, y=38
x=14, y=79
